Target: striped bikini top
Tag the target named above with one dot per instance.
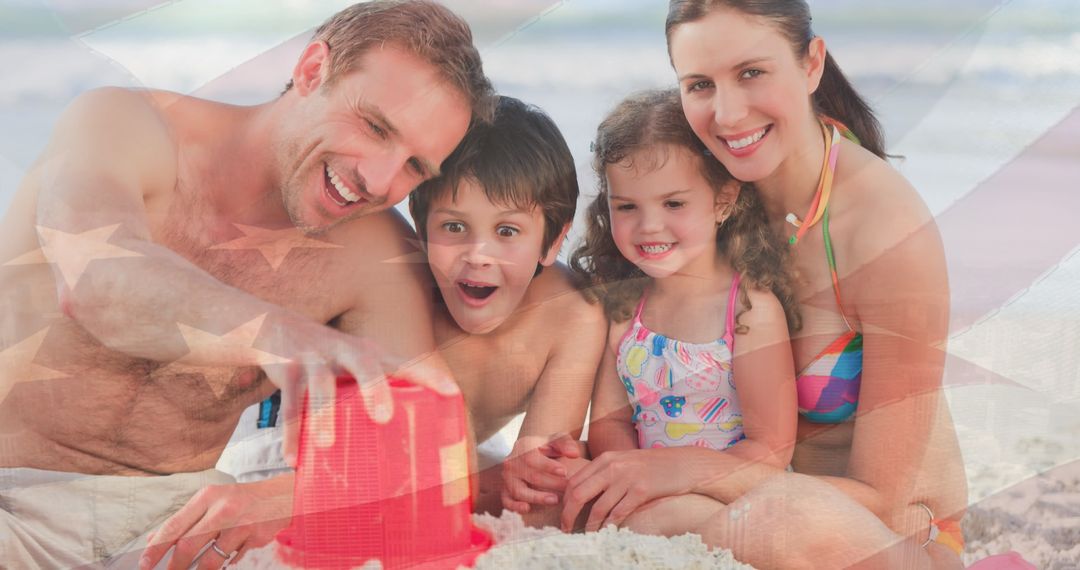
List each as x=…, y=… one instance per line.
x=828, y=387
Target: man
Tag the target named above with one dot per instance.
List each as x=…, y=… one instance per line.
x=186, y=247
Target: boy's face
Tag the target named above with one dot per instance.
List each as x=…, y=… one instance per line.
x=483, y=255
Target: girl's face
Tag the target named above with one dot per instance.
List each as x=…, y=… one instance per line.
x=664, y=219
x=744, y=92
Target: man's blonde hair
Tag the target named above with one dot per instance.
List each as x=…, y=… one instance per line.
x=430, y=31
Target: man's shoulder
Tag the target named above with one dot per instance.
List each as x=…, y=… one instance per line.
x=378, y=237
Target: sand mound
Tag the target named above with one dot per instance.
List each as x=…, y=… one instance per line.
x=525, y=548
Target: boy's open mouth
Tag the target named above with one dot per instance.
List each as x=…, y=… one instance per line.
x=474, y=290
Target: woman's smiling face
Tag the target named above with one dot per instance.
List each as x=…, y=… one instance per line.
x=744, y=91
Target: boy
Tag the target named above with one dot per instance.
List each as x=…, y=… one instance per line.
x=492, y=226
x=517, y=334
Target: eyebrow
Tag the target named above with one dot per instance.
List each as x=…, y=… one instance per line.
x=461, y=214
x=662, y=197
x=740, y=65
x=430, y=170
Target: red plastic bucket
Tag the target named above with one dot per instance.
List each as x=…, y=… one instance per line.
x=397, y=492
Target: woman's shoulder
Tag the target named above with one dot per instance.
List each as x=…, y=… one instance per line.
x=873, y=203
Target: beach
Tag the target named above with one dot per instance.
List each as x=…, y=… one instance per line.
x=981, y=107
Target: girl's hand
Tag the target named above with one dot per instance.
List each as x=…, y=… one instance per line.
x=533, y=472
x=622, y=481
x=236, y=517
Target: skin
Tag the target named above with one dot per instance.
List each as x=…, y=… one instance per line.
x=894, y=287
x=674, y=204
x=543, y=372
x=179, y=177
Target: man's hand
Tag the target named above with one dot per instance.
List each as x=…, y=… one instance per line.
x=533, y=475
x=317, y=355
x=237, y=517
x=621, y=482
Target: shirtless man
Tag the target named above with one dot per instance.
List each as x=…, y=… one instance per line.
x=166, y=250
x=516, y=332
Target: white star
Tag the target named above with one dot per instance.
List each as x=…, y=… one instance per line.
x=17, y=364
x=230, y=350
x=73, y=252
x=274, y=245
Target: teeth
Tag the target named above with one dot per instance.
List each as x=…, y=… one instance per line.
x=654, y=249
x=340, y=187
x=745, y=142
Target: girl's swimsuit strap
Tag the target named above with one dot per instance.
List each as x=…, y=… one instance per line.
x=729, y=326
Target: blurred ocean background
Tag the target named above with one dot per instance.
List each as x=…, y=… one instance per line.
x=966, y=90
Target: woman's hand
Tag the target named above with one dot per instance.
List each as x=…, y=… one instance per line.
x=621, y=482
x=236, y=517
x=533, y=475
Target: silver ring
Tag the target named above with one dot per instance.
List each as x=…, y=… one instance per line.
x=931, y=535
x=218, y=550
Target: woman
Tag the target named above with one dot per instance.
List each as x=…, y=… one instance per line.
x=762, y=93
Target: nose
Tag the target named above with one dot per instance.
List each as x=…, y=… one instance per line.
x=729, y=107
x=477, y=254
x=382, y=174
x=651, y=221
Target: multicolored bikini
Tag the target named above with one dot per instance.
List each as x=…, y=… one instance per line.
x=682, y=393
x=828, y=387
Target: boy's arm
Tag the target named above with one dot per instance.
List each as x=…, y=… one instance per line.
x=611, y=426
x=561, y=395
x=556, y=411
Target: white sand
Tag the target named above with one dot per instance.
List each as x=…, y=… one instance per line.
x=520, y=547
x=1038, y=518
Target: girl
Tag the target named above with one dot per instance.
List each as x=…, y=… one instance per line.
x=697, y=379
x=771, y=105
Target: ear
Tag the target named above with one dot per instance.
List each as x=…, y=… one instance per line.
x=553, y=251
x=815, y=64
x=725, y=199
x=309, y=72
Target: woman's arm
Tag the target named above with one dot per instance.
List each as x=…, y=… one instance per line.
x=897, y=287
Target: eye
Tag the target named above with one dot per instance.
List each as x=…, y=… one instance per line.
x=417, y=168
x=674, y=204
x=454, y=227
x=376, y=129
x=698, y=86
x=750, y=73
x=624, y=207
x=506, y=231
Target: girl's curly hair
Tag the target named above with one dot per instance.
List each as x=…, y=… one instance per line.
x=643, y=127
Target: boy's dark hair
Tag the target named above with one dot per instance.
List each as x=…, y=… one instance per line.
x=520, y=159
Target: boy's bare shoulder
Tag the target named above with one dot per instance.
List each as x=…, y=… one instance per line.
x=556, y=290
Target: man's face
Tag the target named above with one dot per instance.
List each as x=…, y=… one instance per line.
x=483, y=255
x=361, y=145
